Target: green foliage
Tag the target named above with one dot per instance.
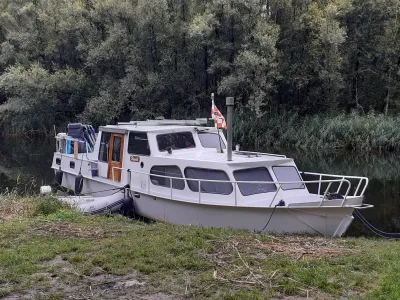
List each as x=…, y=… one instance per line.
x=55, y=212
x=48, y=205
x=38, y=99
x=341, y=132
x=102, y=61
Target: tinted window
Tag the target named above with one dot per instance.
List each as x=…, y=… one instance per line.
x=255, y=174
x=223, y=188
x=170, y=171
x=211, y=140
x=138, y=143
x=116, y=154
x=287, y=174
x=104, y=146
x=177, y=140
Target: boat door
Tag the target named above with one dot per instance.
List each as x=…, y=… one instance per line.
x=115, y=156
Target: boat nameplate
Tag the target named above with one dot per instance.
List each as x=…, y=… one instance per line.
x=135, y=158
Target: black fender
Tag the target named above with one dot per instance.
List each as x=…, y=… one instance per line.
x=78, y=184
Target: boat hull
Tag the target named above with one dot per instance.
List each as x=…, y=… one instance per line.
x=327, y=221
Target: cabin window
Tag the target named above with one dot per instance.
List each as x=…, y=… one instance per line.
x=288, y=174
x=116, y=154
x=138, y=143
x=254, y=174
x=104, y=146
x=176, y=140
x=170, y=171
x=223, y=188
x=211, y=140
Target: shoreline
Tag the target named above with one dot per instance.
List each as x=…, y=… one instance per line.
x=51, y=252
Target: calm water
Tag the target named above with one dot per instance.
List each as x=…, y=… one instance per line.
x=25, y=164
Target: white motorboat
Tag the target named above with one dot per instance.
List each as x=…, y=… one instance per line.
x=181, y=171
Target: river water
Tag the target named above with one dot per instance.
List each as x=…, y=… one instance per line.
x=25, y=165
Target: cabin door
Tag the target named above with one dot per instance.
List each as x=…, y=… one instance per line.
x=115, y=156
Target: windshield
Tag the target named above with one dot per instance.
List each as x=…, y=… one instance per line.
x=254, y=174
x=288, y=174
x=211, y=140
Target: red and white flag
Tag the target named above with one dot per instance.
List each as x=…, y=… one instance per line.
x=219, y=120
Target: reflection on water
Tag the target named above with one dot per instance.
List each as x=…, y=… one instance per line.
x=28, y=163
x=25, y=164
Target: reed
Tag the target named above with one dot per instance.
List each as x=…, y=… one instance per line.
x=344, y=131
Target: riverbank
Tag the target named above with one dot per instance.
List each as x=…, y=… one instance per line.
x=368, y=133
x=50, y=252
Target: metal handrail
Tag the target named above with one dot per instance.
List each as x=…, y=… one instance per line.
x=261, y=153
x=360, y=178
x=249, y=182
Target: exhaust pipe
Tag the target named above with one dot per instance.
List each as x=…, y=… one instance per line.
x=229, y=103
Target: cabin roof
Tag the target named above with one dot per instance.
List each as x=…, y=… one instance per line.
x=154, y=128
x=211, y=155
x=164, y=125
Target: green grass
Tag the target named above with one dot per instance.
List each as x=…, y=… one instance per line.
x=342, y=131
x=189, y=261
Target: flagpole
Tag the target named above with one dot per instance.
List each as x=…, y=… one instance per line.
x=219, y=137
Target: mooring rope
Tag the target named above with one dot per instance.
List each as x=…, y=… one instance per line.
x=386, y=235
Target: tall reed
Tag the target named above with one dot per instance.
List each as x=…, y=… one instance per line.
x=344, y=131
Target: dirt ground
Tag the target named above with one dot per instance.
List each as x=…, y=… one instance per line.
x=66, y=283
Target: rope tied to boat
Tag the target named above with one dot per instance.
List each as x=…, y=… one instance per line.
x=280, y=203
x=386, y=235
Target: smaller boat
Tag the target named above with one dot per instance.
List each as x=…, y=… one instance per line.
x=91, y=205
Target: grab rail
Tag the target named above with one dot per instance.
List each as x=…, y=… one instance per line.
x=359, y=178
x=235, y=183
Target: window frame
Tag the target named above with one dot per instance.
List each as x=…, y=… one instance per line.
x=158, y=145
x=266, y=182
x=214, y=133
x=171, y=181
x=100, y=159
x=118, y=153
x=148, y=143
x=303, y=186
x=200, y=179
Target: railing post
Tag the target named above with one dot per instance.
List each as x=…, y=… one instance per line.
x=319, y=185
x=358, y=187
x=199, y=192
x=273, y=199
x=340, y=185
x=326, y=192
x=347, y=192
x=170, y=184
x=234, y=186
x=365, y=186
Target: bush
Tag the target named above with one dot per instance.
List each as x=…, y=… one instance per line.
x=47, y=205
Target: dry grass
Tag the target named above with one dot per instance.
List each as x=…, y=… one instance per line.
x=72, y=230
x=92, y=254
x=305, y=247
x=14, y=206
